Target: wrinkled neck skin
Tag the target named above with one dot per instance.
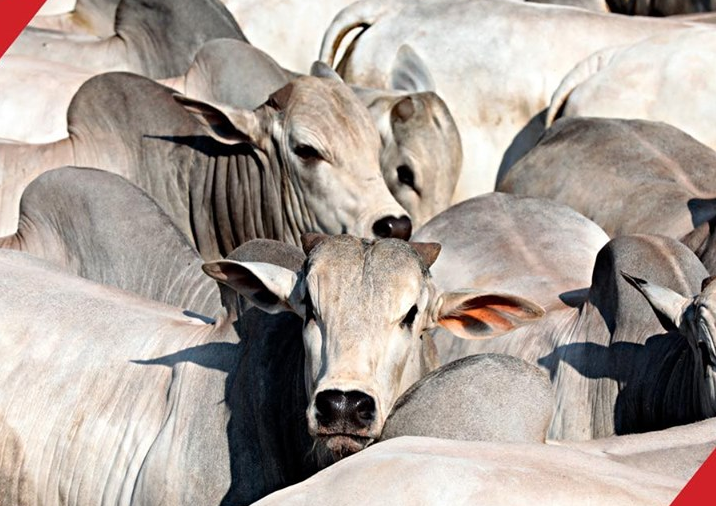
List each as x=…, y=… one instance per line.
x=243, y=194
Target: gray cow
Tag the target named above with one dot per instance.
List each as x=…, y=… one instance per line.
x=420, y=154
x=484, y=397
x=599, y=334
x=99, y=226
x=629, y=176
x=162, y=407
x=615, y=368
x=307, y=160
x=156, y=38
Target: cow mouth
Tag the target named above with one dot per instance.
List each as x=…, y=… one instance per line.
x=343, y=445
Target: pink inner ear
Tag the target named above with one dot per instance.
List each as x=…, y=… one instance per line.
x=491, y=316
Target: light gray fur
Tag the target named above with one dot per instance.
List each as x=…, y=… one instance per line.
x=486, y=397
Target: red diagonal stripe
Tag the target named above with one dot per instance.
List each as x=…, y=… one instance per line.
x=699, y=491
x=14, y=15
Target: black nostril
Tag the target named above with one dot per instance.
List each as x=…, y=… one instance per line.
x=390, y=226
x=354, y=408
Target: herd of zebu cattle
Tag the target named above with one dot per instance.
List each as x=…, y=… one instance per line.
x=463, y=258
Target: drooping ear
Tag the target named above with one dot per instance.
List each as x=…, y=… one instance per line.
x=668, y=305
x=428, y=251
x=320, y=69
x=270, y=287
x=226, y=124
x=310, y=240
x=472, y=315
x=409, y=72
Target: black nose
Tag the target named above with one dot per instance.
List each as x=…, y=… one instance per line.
x=390, y=226
x=346, y=409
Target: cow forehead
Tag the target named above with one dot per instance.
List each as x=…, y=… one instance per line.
x=350, y=268
x=327, y=106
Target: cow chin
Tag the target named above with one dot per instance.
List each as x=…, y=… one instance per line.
x=344, y=445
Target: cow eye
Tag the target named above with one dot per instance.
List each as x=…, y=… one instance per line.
x=409, y=318
x=306, y=152
x=406, y=176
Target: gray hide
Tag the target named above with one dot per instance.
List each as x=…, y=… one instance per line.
x=159, y=410
x=156, y=38
x=614, y=367
x=99, y=226
x=480, y=398
x=167, y=409
x=629, y=176
x=223, y=191
x=534, y=248
x=421, y=154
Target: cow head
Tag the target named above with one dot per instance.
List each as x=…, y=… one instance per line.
x=422, y=154
x=694, y=318
x=366, y=307
x=325, y=149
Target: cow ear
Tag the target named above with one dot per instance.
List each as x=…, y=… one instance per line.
x=320, y=69
x=668, y=305
x=409, y=72
x=473, y=315
x=226, y=124
x=270, y=287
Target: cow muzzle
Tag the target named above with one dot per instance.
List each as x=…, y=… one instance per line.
x=345, y=421
x=390, y=226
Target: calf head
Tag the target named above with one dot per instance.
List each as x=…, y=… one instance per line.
x=325, y=149
x=366, y=307
x=694, y=318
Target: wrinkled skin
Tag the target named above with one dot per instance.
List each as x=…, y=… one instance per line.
x=234, y=175
x=366, y=308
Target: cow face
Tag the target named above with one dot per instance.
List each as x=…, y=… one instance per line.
x=422, y=154
x=694, y=318
x=325, y=149
x=366, y=308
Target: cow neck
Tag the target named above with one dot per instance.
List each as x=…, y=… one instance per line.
x=241, y=195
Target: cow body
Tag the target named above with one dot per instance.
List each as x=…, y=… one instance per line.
x=667, y=65
x=155, y=38
x=483, y=397
x=99, y=226
x=220, y=191
x=652, y=178
x=499, y=47
x=596, y=353
x=438, y=471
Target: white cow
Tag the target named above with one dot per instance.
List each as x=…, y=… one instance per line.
x=436, y=472
x=666, y=78
x=496, y=64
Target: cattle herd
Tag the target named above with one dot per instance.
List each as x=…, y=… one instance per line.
x=317, y=252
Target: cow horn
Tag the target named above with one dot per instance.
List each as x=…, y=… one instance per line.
x=428, y=251
x=310, y=240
